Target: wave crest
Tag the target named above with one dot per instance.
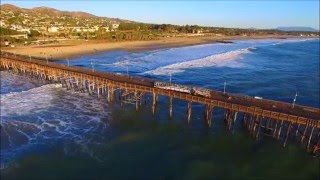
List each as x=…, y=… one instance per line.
x=218, y=60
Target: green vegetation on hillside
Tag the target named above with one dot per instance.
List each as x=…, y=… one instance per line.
x=48, y=23
x=6, y=31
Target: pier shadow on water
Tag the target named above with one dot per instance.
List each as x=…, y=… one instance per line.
x=139, y=146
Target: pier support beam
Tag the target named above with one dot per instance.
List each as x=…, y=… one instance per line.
x=110, y=93
x=244, y=119
x=62, y=81
x=136, y=99
x=280, y=128
x=234, y=119
x=170, y=107
x=275, y=129
x=251, y=123
x=208, y=115
x=287, y=134
x=98, y=90
x=154, y=102
x=189, y=109
x=267, y=126
x=248, y=119
x=256, y=126
x=304, y=133
x=226, y=116
x=297, y=131
x=310, y=137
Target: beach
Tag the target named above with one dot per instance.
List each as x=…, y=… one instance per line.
x=75, y=48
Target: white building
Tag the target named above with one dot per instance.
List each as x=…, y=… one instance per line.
x=26, y=30
x=53, y=29
x=115, y=25
x=77, y=29
x=106, y=28
x=2, y=24
x=16, y=27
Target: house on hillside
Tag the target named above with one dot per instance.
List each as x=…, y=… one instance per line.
x=25, y=30
x=2, y=23
x=96, y=28
x=16, y=27
x=114, y=25
x=77, y=29
x=19, y=36
x=53, y=29
x=106, y=28
x=197, y=31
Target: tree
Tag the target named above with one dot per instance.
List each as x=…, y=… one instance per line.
x=6, y=31
x=34, y=33
x=128, y=26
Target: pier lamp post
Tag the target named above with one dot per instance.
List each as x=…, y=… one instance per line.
x=224, y=87
x=294, y=100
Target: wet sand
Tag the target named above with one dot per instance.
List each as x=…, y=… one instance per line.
x=74, y=48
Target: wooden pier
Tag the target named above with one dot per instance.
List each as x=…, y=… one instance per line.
x=260, y=117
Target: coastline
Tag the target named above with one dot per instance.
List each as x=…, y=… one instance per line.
x=74, y=48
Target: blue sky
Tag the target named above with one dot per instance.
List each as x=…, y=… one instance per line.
x=244, y=14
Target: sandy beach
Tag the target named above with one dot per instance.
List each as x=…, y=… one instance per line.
x=75, y=48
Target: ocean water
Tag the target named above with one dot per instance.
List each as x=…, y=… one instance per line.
x=45, y=128
x=276, y=68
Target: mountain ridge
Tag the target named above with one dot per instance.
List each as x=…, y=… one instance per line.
x=297, y=28
x=55, y=12
x=48, y=11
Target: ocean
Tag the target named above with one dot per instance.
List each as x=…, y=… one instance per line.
x=47, y=131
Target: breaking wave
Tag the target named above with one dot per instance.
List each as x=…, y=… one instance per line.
x=14, y=83
x=218, y=60
x=47, y=114
x=25, y=102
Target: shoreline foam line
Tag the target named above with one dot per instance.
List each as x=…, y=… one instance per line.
x=212, y=60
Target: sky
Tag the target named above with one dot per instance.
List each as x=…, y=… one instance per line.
x=242, y=14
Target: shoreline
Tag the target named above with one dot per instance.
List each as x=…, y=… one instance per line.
x=76, y=48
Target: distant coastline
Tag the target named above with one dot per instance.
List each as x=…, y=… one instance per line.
x=75, y=48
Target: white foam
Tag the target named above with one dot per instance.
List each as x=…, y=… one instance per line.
x=42, y=115
x=218, y=60
x=18, y=103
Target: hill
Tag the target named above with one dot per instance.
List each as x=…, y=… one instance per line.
x=297, y=28
x=53, y=12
